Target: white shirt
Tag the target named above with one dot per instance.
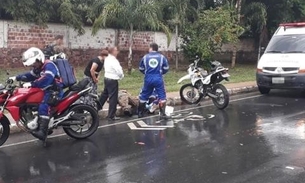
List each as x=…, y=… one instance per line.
x=113, y=69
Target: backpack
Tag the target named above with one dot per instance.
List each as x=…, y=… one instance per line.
x=66, y=72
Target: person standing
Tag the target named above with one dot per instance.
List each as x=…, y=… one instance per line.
x=94, y=66
x=91, y=75
x=153, y=65
x=113, y=73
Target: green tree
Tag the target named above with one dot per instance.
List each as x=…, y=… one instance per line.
x=132, y=15
x=70, y=12
x=238, y=6
x=256, y=18
x=213, y=28
x=178, y=16
x=278, y=11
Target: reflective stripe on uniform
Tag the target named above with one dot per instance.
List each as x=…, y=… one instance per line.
x=49, y=72
x=145, y=64
x=161, y=63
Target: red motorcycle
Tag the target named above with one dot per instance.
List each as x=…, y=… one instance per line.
x=79, y=121
x=3, y=94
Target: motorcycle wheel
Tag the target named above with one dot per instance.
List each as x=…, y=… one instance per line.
x=191, y=97
x=76, y=131
x=4, y=130
x=222, y=100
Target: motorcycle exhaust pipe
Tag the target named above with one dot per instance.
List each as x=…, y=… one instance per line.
x=70, y=122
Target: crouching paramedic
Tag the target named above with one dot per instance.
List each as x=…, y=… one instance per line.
x=153, y=65
x=45, y=73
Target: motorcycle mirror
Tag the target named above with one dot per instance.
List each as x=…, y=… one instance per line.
x=9, y=81
x=7, y=73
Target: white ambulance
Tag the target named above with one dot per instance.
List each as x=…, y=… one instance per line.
x=282, y=66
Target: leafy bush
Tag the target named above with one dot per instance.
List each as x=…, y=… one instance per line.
x=213, y=28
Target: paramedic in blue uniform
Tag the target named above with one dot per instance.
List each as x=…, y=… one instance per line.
x=153, y=65
x=44, y=74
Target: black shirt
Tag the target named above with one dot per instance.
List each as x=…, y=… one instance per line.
x=98, y=69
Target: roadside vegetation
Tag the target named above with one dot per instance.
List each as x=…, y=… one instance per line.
x=203, y=25
x=133, y=82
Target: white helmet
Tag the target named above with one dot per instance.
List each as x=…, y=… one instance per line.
x=30, y=56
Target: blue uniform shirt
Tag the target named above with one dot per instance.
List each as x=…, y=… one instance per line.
x=43, y=77
x=154, y=63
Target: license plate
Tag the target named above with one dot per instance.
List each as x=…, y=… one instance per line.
x=278, y=80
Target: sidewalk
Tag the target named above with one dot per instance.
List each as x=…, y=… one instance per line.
x=233, y=88
x=174, y=99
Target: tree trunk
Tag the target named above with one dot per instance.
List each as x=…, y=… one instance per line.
x=117, y=34
x=177, y=46
x=234, y=53
x=233, y=60
x=130, y=49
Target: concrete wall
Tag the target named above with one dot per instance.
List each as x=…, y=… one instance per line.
x=15, y=37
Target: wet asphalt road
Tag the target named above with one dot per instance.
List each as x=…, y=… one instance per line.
x=257, y=139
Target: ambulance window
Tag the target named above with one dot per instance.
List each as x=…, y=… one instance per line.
x=287, y=44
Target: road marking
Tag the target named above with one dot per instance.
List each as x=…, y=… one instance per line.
x=124, y=122
x=132, y=126
x=144, y=125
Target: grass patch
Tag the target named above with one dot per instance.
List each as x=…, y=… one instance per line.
x=134, y=82
x=242, y=73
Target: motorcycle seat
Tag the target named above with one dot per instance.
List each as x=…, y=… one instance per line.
x=76, y=87
x=80, y=85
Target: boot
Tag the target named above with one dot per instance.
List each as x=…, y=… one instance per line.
x=162, y=106
x=141, y=109
x=42, y=131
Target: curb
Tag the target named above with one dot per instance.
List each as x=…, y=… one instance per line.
x=173, y=101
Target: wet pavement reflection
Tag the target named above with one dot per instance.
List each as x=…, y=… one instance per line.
x=258, y=139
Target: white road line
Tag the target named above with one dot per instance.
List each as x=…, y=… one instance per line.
x=124, y=122
x=29, y=141
x=144, y=125
x=133, y=127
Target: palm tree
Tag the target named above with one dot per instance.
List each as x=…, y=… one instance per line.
x=132, y=15
x=238, y=7
x=179, y=10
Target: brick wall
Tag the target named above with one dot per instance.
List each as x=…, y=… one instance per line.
x=16, y=37
x=21, y=36
x=140, y=40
